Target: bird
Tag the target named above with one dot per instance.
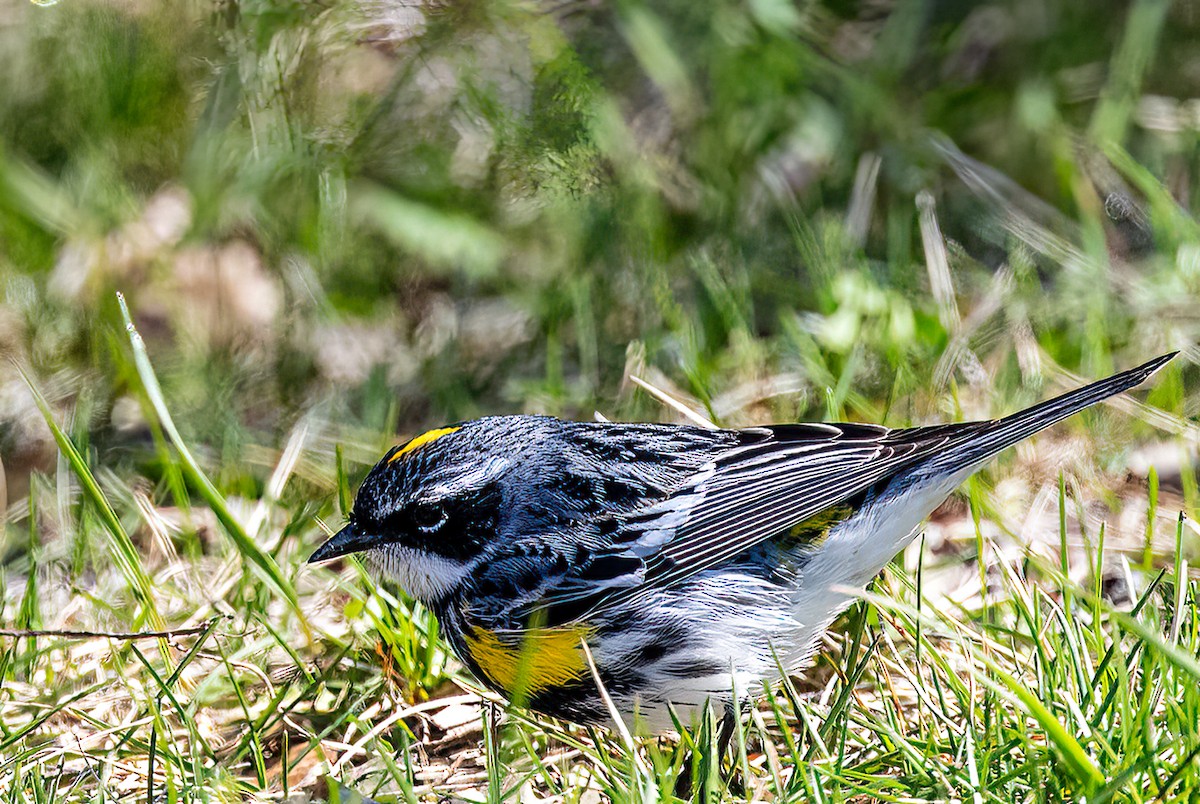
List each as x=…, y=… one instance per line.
x=590, y=571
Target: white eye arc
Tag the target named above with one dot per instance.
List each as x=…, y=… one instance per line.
x=429, y=516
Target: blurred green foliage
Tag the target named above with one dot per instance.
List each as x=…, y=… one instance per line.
x=409, y=214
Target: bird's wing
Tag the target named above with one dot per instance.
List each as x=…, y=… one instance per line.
x=777, y=478
x=771, y=479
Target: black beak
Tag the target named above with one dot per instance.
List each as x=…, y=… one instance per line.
x=347, y=540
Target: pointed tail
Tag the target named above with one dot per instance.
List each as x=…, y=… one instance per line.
x=1009, y=430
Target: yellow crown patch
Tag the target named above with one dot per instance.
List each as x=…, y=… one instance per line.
x=427, y=437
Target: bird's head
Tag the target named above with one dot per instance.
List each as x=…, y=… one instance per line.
x=429, y=509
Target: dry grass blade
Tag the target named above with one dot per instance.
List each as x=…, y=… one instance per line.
x=937, y=263
x=125, y=636
x=673, y=403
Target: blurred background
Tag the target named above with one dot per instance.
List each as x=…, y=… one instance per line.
x=362, y=219
x=389, y=215
x=401, y=214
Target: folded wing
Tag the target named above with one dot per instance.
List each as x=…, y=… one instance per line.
x=760, y=482
x=774, y=479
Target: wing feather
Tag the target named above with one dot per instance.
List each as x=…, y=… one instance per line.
x=721, y=492
x=778, y=478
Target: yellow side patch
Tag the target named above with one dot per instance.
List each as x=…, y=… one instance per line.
x=531, y=661
x=815, y=529
x=421, y=440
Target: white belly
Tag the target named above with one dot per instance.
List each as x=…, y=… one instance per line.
x=745, y=628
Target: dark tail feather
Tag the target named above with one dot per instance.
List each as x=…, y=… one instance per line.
x=1009, y=430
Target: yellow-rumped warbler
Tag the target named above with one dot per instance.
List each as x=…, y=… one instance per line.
x=693, y=562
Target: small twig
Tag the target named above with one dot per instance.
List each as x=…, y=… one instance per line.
x=29, y=633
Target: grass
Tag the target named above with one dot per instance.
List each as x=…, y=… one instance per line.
x=337, y=224
x=1039, y=688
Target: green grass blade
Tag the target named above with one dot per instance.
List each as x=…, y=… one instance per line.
x=124, y=554
x=263, y=563
x=1068, y=747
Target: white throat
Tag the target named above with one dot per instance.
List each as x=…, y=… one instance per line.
x=425, y=576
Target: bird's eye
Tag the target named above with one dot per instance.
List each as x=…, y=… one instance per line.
x=429, y=517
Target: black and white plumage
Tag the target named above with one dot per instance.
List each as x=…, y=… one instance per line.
x=692, y=562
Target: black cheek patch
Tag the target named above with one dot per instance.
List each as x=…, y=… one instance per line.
x=471, y=523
